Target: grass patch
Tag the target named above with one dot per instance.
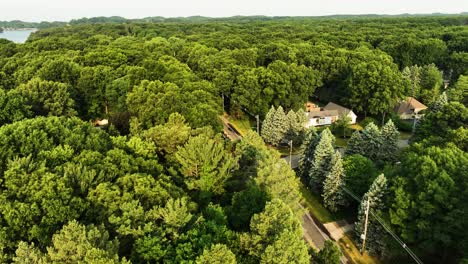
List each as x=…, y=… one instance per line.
x=242, y=125
x=405, y=135
x=352, y=252
x=341, y=142
x=314, y=205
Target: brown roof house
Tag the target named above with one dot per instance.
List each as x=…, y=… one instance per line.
x=342, y=111
x=410, y=108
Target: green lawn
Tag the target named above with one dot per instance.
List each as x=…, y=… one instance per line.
x=347, y=245
x=341, y=142
x=405, y=135
x=314, y=205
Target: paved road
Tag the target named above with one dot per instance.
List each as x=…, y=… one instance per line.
x=230, y=131
x=294, y=160
x=312, y=232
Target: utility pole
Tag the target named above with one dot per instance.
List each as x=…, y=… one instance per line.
x=258, y=123
x=290, y=153
x=363, y=236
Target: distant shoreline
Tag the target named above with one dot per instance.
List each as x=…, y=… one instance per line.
x=18, y=29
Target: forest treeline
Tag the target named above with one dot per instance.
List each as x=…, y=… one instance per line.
x=160, y=184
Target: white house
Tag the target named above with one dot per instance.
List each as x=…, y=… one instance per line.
x=342, y=111
x=321, y=118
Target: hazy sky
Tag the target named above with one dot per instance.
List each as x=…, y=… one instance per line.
x=64, y=10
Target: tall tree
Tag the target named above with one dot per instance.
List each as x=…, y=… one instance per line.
x=267, y=227
x=333, y=194
x=431, y=82
x=360, y=173
x=355, y=144
x=205, y=163
x=413, y=76
x=307, y=151
x=430, y=201
x=48, y=97
x=280, y=125
x=372, y=142
x=390, y=137
x=376, y=196
x=286, y=249
x=321, y=165
x=267, y=126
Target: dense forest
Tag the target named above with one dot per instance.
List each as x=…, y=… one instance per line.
x=161, y=184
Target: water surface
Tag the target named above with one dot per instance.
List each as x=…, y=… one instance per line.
x=18, y=36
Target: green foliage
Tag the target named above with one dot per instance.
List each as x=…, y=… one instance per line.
x=286, y=249
x=390, y=137
x=431, y=81
x=330, y=254
x=429, y=202
x=273, y=228
x=376, y=196
x=459, y=92
x=333, y=194
x=217, y=254
x=47, y=98
x=267, y=126
x=75, y=243
x=244, y=205
x=445, y=125
x=360, y=173
x=205, y=164
x=307, y=151
x=13, y=107
x=321, y=163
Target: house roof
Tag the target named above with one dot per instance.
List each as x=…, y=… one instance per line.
x=409, y=105
x=341, y=109
x=323, y=113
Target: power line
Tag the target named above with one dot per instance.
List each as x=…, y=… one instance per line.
x=382, y=223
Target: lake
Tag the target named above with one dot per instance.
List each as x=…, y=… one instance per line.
x=17, y=36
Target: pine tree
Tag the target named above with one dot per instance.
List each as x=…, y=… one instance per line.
x=320, y=165
x=355, y=144
x=371, y=142
x=375, y=240
x=293, y=130
x=296, y=126
x=267, y=125
x=280, y=126
x=390, y=136
x=333, y=196
x=307, y=151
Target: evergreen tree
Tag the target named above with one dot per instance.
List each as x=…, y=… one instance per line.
x=296, y=127
x=267, y=125
x=333, y=196
x=355, y=144
x=321, y=162
x=375, y=240
x=371, y=142
x=390, y=137
x=307, y=151
x=280, y=126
